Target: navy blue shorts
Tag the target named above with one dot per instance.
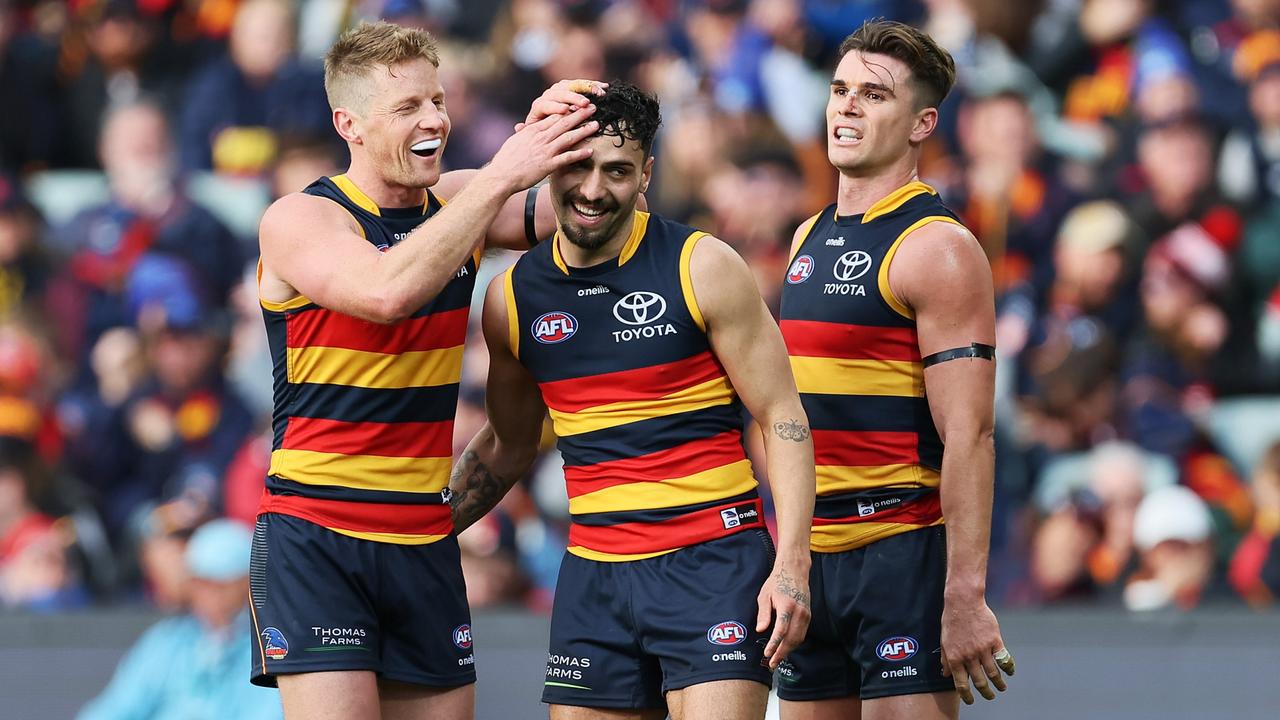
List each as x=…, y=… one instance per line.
x=625, y=633
x=325, y=601
x=877, y=622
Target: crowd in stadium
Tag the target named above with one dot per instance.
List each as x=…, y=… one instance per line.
x=1119, y=161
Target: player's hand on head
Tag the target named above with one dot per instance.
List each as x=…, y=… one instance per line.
x=784, y=603
x=562, y=98
x=542, y=147
x=973, y=651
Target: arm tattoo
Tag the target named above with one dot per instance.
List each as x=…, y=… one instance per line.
x=476, y=490
x=791, y=430
x=787, y=586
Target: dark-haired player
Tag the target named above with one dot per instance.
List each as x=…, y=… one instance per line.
x=644, y=338
x=887, y=311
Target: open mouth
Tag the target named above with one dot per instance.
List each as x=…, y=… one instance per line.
x=847, y=136
x=588, y=215
x=426, y=148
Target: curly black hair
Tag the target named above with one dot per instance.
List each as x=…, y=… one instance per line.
x=628, y=113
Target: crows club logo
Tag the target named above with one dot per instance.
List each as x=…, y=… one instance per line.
x=897, y=649
x=728, y=632
x=800, y=270
x=274, y=646
x=640, y=308
x=852, y=265
x=554, y=327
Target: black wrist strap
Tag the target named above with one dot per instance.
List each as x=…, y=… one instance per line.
x=975, y=350
x=530, y=204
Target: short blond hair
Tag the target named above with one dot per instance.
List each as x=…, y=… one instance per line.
x=351, y=60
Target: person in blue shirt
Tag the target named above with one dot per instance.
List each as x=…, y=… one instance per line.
x=193, y=666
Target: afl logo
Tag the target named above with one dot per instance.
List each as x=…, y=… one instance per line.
x=462, y=637
x=274, y=646
x=727, y=633
x=897, y=649
x=800, y=270
x=554, y=327
x=639, y=308
x=852, y=265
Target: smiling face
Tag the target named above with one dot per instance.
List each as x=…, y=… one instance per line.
x=402, y=127
x=594, y=199
x=872, y=120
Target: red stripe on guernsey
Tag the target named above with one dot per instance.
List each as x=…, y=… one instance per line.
x=655, y=381
x=925, y=511
x=680, y=461
x=408, y=439
x=810, y=338
x=638, y=538
x=325, y=328
x=362, y=516
x=863, y=448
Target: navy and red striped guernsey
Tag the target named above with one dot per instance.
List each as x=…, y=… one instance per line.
x=856, y=360
x=648, y=423
x=363, y=421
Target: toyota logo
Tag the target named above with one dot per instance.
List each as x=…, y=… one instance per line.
x=639, y=308
x=852, y=265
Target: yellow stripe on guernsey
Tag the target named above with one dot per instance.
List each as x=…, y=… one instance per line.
x=842, y=376
x=392, y=538
x=882, y=279
x=838, y=479
x=686, y=279
x=838, y=538
x=357, y=368
x=706, y=486
x=704, y=395
x=362, y=472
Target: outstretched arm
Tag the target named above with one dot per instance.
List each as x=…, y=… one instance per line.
x=941, y=273
x=504, y=449
x=310, y=247
x=749, y=345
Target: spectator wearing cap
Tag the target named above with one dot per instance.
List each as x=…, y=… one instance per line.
x=149, y=211
x=240, y=105
x=175, y=434
x=1249, y=164
x=1172, y=531
x=193, y=666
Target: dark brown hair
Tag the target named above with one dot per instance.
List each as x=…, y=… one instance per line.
x=932, y=69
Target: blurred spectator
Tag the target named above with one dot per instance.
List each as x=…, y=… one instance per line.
x=193, y=665
x=1249, y=166
x=28, y=139
x=149, y=211
x=35, y=571
x=1255, y=566
x=1085, y=544
x=240, y=105
x=1173, y=534
x=25, y=266
x=175, y=433
x=108, y=60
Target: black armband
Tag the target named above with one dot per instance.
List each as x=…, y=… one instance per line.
x=975, y=350
x=530, y=204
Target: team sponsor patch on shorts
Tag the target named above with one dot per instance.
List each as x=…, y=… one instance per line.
x=462, y=637
x=274, y=646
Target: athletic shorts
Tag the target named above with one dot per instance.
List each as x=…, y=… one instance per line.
x=877, y=622
x=625, y=633
x=326, y=601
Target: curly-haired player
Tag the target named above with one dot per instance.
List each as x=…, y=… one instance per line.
x=644, y=338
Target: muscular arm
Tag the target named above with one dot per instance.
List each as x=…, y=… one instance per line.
x=504, y=449
x=941, y=273
x=311, y=247
x=748, y=343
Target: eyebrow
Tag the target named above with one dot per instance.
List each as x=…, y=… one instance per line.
x=884, y=89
